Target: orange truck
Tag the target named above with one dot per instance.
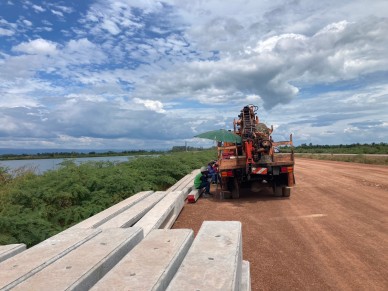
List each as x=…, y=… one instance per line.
x=254, y=160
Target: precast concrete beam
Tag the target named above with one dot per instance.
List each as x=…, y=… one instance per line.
x=162, y=213
x=133, y=214
x=8, y=251
x=214, y=261
x=103, y=216
x=245, y=277
x=24, y=265
x=151, y=264
x=178, y=184
x=84, y=266
x=193, y=196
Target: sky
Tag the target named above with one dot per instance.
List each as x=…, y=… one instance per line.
x=147, y=74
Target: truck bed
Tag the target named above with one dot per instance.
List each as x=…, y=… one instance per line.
x=237, y=162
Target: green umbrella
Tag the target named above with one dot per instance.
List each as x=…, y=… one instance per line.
x=221, y=135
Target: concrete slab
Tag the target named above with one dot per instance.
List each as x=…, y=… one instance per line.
x=24, y=265
x=214, y=261
x=103, y=216
x=245, y=277
x=179, y=203
x=130, y=216
x=161, y=213
x=8, y=251
x=193, y=196
x=178, y=184
x=83, y=267
x=151, y=264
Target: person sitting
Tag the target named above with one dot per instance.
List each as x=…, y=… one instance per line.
x=202, y=181
x=211, y=172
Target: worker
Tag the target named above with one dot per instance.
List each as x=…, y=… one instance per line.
x=211, y=171
x=202, y=180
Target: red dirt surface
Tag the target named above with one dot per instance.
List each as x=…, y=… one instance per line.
x=331, y=234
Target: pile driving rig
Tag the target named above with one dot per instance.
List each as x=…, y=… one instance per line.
x=255, y=162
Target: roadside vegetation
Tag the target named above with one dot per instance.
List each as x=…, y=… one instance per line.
x=373, y=148
x=34, y=207
x=376, y=160
x=354, y=153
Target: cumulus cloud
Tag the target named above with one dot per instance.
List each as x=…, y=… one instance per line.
x=153, y=105
x=274, y=65
x=37, y=46
x=123, y=71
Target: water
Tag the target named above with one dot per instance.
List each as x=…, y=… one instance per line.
x=43, y=165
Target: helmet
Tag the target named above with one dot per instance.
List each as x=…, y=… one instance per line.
x=203, y=169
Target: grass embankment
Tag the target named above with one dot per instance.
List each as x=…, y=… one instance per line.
x=34, y=207
x=376, y=160
x=341, y=152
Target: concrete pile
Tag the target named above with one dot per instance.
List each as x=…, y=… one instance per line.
x=130, y=246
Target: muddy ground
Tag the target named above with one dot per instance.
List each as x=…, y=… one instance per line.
x=331, y=234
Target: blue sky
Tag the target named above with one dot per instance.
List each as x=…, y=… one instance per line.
x=144, y=74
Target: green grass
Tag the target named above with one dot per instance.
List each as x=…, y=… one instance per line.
x=34, y=207
x=376, y=160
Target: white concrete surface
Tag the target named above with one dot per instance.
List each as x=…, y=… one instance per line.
x=151, y=264
x=245, y=277
x=103, y=216
x=214, y=261
x=24, y=265
x=84, y=266
x=133, y=214
x=178, y=184
x=161, y=213
x=193, y=196
x=8, y=251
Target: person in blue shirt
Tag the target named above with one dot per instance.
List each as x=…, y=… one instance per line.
x=211, y=167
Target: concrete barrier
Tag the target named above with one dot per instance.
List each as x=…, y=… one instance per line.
x=214, y=261
x=8, y=251
x=24, y=265
x=103, y=216
x=151, y=264
x=245, y=277
x=133, y=214
x=162, y=213
x=193, y=196
x=84, y=266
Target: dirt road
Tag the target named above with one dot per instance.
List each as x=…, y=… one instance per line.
x=332, y=233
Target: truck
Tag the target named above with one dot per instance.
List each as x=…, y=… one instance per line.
x=254, y=161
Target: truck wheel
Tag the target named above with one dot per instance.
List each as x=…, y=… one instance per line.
x=278, y=191
x=236, y=189
x=286, y=191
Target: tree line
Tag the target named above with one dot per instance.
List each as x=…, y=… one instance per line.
x=356, y=148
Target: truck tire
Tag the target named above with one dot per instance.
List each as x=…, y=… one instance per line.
x=236, y=189
x=277, y=191
x=286, y=191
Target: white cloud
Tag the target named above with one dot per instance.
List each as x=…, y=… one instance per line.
x=153, y=105
x=38, y=8
x=27, y=22
x=316, y=69
x=38, y=46
x=6, y=32
x=110, y=26
x=57, y=13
